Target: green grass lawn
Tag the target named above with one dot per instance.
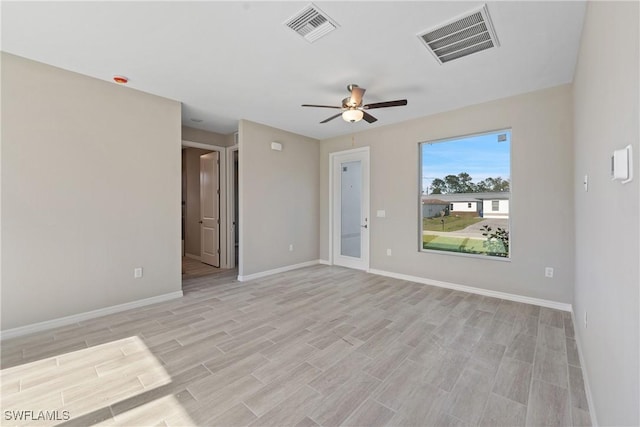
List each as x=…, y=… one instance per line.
x=454, y=244
x=451, y=223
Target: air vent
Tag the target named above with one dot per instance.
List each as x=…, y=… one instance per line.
x=461, y=37
x=311, y=23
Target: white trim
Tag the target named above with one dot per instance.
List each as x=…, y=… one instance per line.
x=75, y=318
x=232, y=262
x=240, y=228
x=223, y=192
x=210, y=147
x=331, y=156
x=324, y=262
x=585, y=377
x=364, y=262
x=277, y=270
x=486, y=292
x=192, y=256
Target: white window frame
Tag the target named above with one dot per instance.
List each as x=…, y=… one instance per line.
x=420, y=188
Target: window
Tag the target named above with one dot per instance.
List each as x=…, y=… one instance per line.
x=471, y=175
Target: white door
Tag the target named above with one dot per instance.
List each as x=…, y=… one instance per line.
x=350, y=208
x=210, y=209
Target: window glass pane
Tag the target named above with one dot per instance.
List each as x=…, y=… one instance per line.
x=350, y=190
x=465, y=194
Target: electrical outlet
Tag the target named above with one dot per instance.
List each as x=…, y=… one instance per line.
x=548, y=272
x=137, y=273
x=388, y=252
x=291, y=247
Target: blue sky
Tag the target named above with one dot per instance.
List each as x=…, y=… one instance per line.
x=481, y=156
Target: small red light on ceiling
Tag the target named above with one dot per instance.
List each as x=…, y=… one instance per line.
x=121, y=80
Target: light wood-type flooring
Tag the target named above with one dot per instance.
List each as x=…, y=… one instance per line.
x=316, y=346
x=192, y=268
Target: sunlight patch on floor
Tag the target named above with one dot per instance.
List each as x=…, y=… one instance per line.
x=53, y=390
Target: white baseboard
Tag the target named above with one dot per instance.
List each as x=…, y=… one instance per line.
x=495, y=294
x=192, y=256
x=68, y=320
x=277, y=270
x=324, y=262
x=585, y=377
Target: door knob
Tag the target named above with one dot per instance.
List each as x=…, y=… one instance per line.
x=200, y=222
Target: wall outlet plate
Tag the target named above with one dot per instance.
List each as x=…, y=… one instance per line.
x=622, y=165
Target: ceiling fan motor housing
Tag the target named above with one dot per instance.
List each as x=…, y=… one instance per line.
x=346, y=103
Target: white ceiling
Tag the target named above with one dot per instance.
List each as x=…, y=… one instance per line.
x=227, y=61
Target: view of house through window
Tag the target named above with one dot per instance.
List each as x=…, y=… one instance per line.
x=465, y=192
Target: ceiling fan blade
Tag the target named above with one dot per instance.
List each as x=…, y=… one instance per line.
x=356, y=95
x=331, y=118
x=397, y=103
x=368, y=117
x=320, y=106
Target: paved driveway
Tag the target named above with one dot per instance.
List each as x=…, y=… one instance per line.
x=473, y=231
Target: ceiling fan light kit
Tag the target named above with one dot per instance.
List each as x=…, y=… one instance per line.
x=352, y=116
x=352, y=108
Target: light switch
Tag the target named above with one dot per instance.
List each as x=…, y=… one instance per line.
x=381, y=214
x=586, y=183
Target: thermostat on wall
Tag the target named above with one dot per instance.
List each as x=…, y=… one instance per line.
x=622, y=165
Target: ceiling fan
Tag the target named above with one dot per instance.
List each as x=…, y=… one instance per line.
x=352, y=108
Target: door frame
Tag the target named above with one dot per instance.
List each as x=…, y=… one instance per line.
x=223, y=194
x=366, y=189
x=230, y=207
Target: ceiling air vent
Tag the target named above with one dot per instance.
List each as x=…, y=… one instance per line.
x=311, y=23
x=461, y=37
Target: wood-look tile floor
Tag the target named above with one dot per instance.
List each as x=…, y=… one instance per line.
x=192, y=268
x=316, y=346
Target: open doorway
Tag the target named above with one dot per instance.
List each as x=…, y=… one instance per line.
x=200, y=209
x=209, y=209
x=233, y=238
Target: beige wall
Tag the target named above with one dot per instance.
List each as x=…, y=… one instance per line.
x=279, y=202
x=192, y=243
x=206, y=137
x=606, y=92
x=541, y=203
x=90, y=190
